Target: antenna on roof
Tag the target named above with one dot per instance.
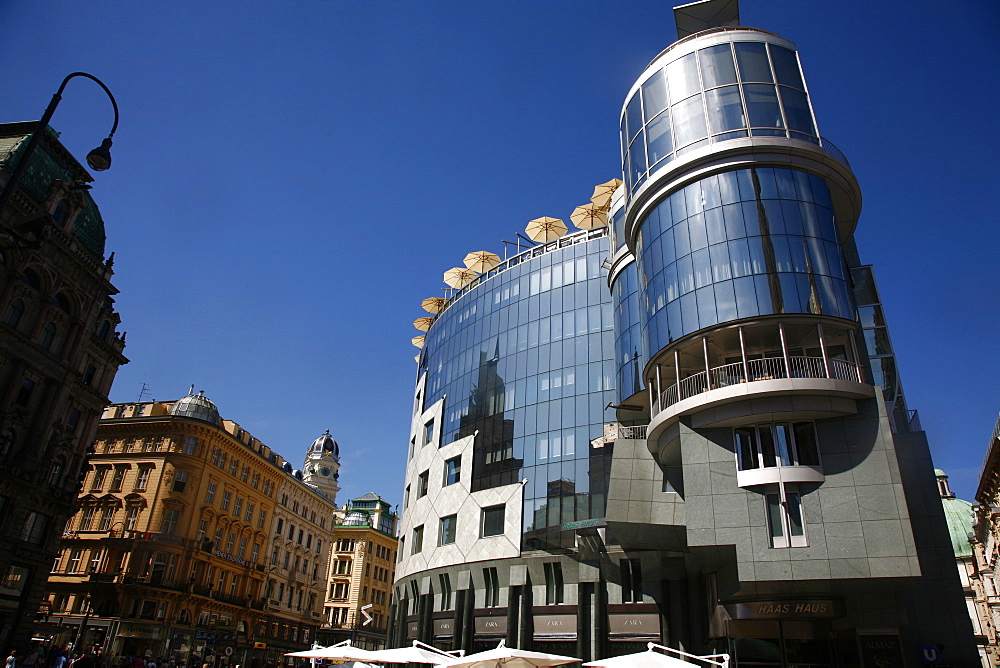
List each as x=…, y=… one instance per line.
x=143, y=392
x=191, y=391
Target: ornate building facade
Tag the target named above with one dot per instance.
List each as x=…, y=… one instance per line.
x=192, y=540
x=59, y=353
x=985, y=540
x=362, y=568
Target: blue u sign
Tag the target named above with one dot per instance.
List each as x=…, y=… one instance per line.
x=930, y=654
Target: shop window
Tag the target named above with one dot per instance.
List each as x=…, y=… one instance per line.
x=553, y=583
x=492, y=588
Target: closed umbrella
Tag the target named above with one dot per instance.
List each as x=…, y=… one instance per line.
x=510, y=657
x=433, y=304
x=480, y=261
x=589, y=216
x=459, y=276
x=545, y=229
x=602, y=194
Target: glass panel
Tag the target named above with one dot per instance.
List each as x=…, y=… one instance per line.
x=784, y=446
x=637, y=159
x=725, y=109
x=794, y=514
x=805, y=443
x=762, y=106
x=786, y=66
x=774, y=519
x=682, y=75
x=797, y=110
x=633, y=115
x=746, y=449
x=654, y=95
x=689, y=121
x=659, y=137
x=752, y=57
x=717, y=65
x=767, y=454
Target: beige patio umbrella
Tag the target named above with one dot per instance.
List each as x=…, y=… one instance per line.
x=423, y=324
x=433, y=304
x=508, y=657
x=545, y=229
x=480, y=261
x=413, y=654
x=457, y=277
x=418, y=341
x=342, y=651
x=602, y=193
x=589, y=216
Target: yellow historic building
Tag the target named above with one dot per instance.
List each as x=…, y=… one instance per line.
x=184, y=544
x=362, y=567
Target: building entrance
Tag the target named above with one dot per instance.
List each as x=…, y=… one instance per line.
x=780, y=644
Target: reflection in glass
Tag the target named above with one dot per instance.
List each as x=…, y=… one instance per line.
x=683, y=77
x=752, y=59
x=725, y=109
x=654, y=95
x=689, y=121
x=717, y=67
x=659, y=138
x=786, y=66
x=762, y=106
x=797, y=111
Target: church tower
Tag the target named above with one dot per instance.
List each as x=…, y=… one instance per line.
x=322, y=466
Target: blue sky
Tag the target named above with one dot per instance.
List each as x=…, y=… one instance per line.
x=290, y=179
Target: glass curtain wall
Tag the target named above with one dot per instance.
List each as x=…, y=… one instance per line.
x=526, y=360
x=736, y=245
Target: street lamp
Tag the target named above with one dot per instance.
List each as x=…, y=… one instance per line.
x=99, y=159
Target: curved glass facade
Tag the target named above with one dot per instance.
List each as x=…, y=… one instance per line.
x=736, y=245
x=524, y=358
x=726, y=91
x=630, y=356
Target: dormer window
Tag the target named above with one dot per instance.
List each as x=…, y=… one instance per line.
x=61, y=214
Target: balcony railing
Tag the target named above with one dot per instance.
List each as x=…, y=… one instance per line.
x=768, y=368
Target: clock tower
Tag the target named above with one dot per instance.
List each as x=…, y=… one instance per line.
x=322, y=466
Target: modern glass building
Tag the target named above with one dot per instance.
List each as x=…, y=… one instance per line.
x=677, y=428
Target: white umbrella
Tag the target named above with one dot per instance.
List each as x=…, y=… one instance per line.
x=509, y=657
x=647, y=659
x=343, y=651
x=412, y=654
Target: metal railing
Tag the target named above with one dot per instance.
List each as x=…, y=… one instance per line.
x=633, y=432
x=767, y=368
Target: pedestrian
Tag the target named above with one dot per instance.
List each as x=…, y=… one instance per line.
x=12, y=659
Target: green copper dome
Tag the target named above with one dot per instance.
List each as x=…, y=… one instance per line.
x=958, y=514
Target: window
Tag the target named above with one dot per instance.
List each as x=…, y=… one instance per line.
x=47, y=336
x=118, y=478
x=95, y=561
x=56, y=472
x=88, y=374
x=256, y=552
x=210, y=493
x=492, y=598
x=238, y=507
x=422, y=484
x=75, y=558
x=88, y=518
x=428, y=432
x=446, y=535
x=170, y=519
x=245, y=474
x=190, y=445
x=142, y=479
x=452, y=471
x=227, y=498
x=406, y=497
x=131, y=517
x=776, y=444
x=418, y=540
x=180, y=481
x=107, y=514
x=14, y=313
x=261, y=519
x=35, y=528
x=255, y=480
x=553, y=583
x=234, y=465
x=216, y=456
x=493, y=518
x=445, y=585
x=631, y=581
x=784, y=517
x=249, y=516
x=24, y=392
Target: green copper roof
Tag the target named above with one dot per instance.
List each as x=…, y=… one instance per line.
x=37, y=179
x=958, y=514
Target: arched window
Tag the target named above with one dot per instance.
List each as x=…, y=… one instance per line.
x=62, y=301
x=14, y=313
x=56, y=472
x=184, y=617
x=31, y=278
x=7, y=438
x=47, y=336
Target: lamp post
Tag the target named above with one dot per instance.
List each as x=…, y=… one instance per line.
x=99, y=159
